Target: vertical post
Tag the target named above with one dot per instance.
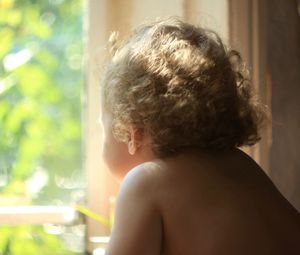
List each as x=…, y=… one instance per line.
x=189, y=13
x=100, y=184
x=247, y=34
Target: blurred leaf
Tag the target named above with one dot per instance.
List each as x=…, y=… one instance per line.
x=4, y=106
x=32, y=80
x=16, y=187
x=70, y=130
x=11, y=17
x=6, y=35
x=35, y=25
x=6, y=4
x=47, y=59
x=7, y=83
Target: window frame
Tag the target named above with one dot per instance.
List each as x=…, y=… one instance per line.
x=247, y=33
x=245, y=22
x=37, y=215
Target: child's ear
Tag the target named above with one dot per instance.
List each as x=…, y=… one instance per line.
x=135, y=140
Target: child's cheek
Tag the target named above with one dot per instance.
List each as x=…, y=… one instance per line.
x=115, y=156
x=108, y=153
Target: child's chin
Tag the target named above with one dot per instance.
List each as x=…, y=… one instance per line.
x=116, y=170
x=118, y=175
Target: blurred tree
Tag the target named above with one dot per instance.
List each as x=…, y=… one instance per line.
x=40, y=111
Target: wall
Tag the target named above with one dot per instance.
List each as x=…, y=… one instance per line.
x=283, y=64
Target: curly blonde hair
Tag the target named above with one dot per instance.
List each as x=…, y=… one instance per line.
x=184, y=87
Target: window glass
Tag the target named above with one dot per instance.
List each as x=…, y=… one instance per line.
x=46, y=240
x=40, y=111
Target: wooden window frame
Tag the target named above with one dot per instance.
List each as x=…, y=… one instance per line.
x=36, y=215
x=247, y=33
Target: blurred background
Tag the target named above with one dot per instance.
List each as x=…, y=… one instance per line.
x=51, y=53
x=41, y=84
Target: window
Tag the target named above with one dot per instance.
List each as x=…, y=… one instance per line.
x=49, y=137
x=41, y=133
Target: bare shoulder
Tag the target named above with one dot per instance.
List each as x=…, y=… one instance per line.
x=139, y=187
x=141, y=178
x=136, y=211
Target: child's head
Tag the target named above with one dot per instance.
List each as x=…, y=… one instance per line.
x=180, y=85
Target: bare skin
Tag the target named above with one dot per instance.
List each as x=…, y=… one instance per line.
x=198, y=203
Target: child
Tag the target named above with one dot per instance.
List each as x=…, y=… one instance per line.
x=176, y=105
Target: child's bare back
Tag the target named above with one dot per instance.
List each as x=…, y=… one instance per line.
x=224, y=205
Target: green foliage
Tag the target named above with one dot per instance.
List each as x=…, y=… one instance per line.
x=31, y=240
x=40, y=112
